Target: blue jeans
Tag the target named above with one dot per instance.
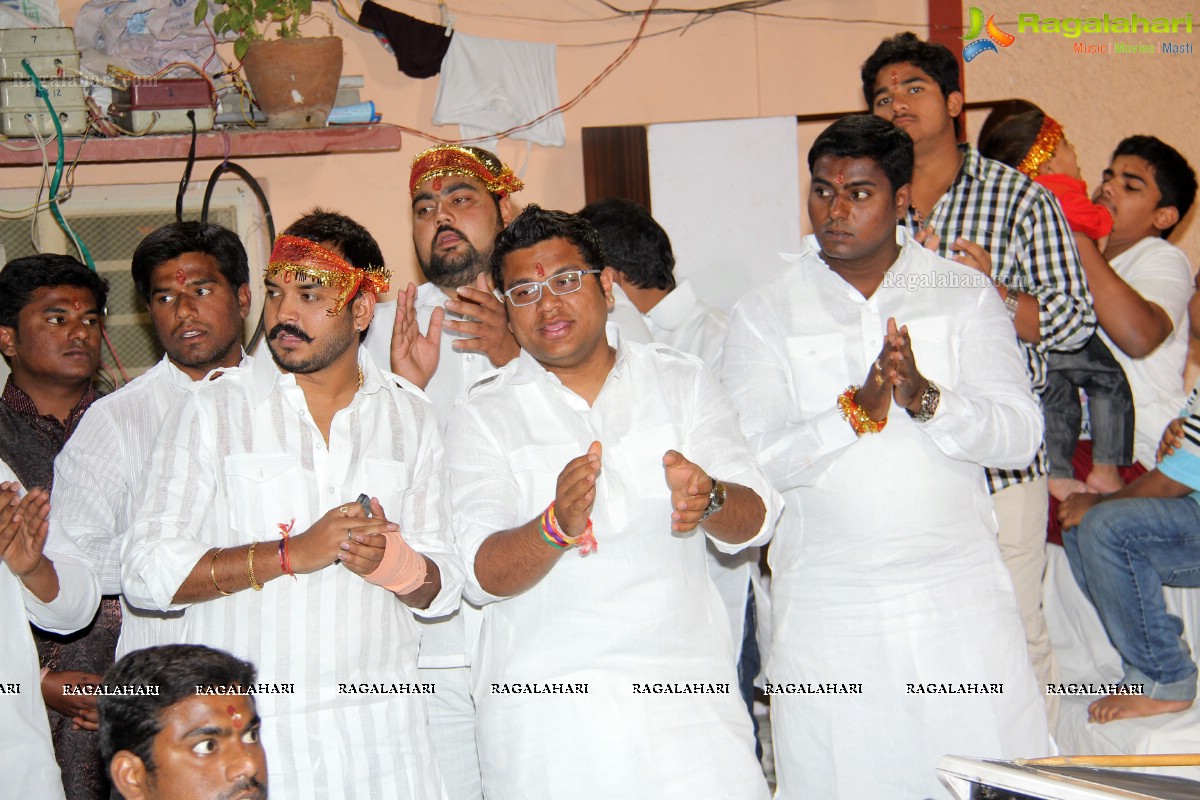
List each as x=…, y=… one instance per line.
x=1122, y=554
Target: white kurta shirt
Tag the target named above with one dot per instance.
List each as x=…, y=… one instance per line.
x=243, y=456
x=97, y=476
x=640, y=610
x=681, y=320
x=448, y=641
x=1159, y=272
x=885, y=568
x=26, y=753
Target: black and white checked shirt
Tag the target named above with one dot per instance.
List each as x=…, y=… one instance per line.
x=1023, y=229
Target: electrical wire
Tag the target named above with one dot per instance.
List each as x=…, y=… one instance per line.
x=241, y=172
x=37, y=200
x=54, y=210
x=187, y=169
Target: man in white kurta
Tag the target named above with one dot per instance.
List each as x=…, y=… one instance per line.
x=26, y=753
x=611, y=674
x=258, y=451
x=896, y=637
x=194, y=279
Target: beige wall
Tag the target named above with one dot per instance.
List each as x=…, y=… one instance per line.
x=731, y=66
x=1099, y=99
x=734, y=65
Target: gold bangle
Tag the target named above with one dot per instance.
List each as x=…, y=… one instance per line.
x=255, y=585
x=856, y=415
x=212, y=571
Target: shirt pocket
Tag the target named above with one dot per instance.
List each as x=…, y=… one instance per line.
x=819, y=371
x=263, y=488
x=936, y=350
x=390, y=481
x=536, y=468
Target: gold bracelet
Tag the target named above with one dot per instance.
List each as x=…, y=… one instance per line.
x=212, y=571
x=255, y=585
x=856, y=415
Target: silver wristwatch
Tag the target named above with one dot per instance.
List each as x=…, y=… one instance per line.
x=716, y=500
x=1011, y=296
x=929, y=403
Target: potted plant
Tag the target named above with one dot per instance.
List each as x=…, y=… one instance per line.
x=294, y=77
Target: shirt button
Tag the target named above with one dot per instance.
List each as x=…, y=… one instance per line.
x=331, y=490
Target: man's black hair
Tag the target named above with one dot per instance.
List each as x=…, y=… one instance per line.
x=174, y=240
x=535, y=225
x=21, y=277
x=868, y=136
x=635, y=244
x=1011, y=140
x=131, y=721
x=1175, y=178
x=353, y=240
x=935, y=60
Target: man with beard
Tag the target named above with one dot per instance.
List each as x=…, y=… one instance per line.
x=254, y=479
x=195, y=738
x=194, y=279
x=443, y=335
x=448, y=332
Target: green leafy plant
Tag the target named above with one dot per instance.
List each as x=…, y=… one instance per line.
x=252, y=20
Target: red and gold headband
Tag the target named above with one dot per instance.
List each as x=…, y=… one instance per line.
x=300, y=259
x=452, y=159
x=1048, y=137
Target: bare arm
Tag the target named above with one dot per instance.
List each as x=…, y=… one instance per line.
x=351, y=538
x=737, y=521
x=512, y=561
x=1134, y=324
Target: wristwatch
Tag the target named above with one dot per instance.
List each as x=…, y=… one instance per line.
x=1011, y=296
x=716, y=500
x=929, y=403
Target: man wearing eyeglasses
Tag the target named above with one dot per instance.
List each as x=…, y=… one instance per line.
x=580, y=473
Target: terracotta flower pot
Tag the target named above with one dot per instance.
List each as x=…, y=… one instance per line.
x=295, y=80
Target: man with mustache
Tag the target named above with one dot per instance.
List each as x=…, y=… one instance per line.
x=587, y=476
x=51, y=311
x=249, y=521
x=873, y=379
x=443, y=335
x=196, y=737
x=195, y=281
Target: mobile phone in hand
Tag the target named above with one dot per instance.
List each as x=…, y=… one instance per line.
x=365, y=502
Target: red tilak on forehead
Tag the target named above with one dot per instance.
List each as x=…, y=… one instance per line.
x=839, y=179
x=235, y=716
x=180, y=277
x=541, y=273
x=437, y=184
x=76, y=304
x=895, y=79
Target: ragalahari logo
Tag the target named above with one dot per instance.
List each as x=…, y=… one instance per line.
x=995, y=36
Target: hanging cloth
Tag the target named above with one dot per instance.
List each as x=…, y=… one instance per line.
x=490, y=85
x=419, y=46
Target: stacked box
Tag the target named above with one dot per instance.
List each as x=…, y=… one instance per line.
x=50, y=52
x=161, y=106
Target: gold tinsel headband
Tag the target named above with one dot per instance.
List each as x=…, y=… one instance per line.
x=446, y=160
x=300, y=259
x=1048, y=137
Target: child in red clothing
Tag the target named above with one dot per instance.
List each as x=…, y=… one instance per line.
x=1033, y=142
